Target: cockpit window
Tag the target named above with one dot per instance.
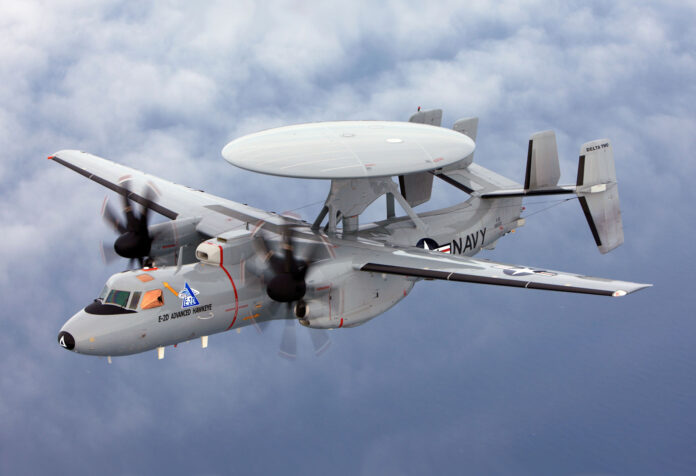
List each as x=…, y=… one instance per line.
x=119, y=298
x=103, y=293
x=152, y=299
x=134, y=300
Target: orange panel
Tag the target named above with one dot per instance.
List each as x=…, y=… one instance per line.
x=152, y=299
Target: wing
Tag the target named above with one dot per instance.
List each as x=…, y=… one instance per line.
x=435, y=265
x=169, y=199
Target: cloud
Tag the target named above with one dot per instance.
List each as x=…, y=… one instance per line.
x=456, y=376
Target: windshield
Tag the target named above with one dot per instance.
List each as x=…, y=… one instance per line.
x=130, y=300
x=134, y=300
x=118, y=298
x=114, y=301
x=103, y=293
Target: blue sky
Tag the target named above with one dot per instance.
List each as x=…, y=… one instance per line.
x=457, y=378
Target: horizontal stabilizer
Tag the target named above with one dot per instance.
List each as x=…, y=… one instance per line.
x=599, y=194
x=477, y=180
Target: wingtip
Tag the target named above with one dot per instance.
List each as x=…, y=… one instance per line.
x=634, y=288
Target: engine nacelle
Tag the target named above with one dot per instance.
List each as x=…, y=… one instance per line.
x=342, y=296
x=227, y=248
x=169, y=237
x=315, y=313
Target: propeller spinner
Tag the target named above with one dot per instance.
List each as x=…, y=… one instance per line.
x=285, y=276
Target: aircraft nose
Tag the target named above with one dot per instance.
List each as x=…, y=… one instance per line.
x=66, y=340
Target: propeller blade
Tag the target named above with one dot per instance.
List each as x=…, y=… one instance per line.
x=320, y=340
x=261, y=326
x=131, y=221
x=289, y=262
x=311, y=257
x=315, y=250
x=144, y=211
x=111, y=218
x=267, y=254
x=288, y=344
x=261, y=246
x=108, y=255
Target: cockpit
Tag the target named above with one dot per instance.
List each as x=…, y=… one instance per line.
x=131, y=298
x=125, y=295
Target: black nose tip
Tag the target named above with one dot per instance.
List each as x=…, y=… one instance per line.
x=66, y=340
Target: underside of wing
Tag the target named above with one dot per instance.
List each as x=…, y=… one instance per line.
x=433, y=265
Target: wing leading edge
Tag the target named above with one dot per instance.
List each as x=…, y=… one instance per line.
x=215, y=215
x=428, y=265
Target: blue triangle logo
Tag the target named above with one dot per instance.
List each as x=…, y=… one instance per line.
x=189, y=297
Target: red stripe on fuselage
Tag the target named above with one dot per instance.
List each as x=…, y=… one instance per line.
x=236, y=296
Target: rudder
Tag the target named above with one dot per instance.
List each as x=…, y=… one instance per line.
x=598, y=194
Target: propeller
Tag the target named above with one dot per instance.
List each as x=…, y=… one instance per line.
x=285, y=274
x=135, y=240
x=285, y=280
x=288, y=342
x=108, y=254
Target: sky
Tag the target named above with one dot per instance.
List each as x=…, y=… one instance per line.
x=457, y=378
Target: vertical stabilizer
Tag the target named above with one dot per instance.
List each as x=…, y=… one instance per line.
x=543, y=170
x=467, y=126
x=417, y=188
x=599, y=194
x=432, y=117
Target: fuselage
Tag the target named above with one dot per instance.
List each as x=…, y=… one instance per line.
x=144, y=309
x=149, y=308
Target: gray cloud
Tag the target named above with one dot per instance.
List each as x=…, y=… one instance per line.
x=492, y=380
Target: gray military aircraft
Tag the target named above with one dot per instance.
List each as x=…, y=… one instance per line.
x=218, y=265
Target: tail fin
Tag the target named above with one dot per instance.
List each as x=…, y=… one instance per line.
x=596, y=185
x=417, y=188
x=599, y=194
x=543, y=170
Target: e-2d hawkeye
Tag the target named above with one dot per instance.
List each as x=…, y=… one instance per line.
x=218, y=265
